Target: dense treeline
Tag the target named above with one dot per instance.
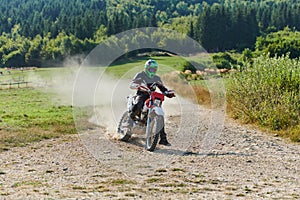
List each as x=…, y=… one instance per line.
x=83, y=18
x=221, y=27
x=37, y=31
x=236, y=24
x=41, y=17
x=17, y=50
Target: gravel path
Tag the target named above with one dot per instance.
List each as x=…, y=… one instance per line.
x=243, y=163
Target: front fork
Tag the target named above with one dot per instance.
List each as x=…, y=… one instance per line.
x=157, y=111
x=148, y=122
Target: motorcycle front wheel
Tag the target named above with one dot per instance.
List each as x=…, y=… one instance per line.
x=124, y=127
x=154, y=127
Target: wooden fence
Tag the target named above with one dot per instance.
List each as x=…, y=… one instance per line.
x=14, y=83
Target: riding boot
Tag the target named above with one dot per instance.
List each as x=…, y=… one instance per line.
x=163, y=138
x=137, y=108
x=134, y=115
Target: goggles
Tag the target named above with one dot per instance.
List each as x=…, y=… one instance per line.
x=152, y=69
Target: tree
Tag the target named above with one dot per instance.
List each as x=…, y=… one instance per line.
x=191, y=32
x=100, y=34
x=14, y=48
x=153, y=22
x=182, y=8
x=32, y=56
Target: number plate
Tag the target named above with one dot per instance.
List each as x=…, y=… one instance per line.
x=157, y=102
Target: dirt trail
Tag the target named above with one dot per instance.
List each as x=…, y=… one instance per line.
x=243, y=164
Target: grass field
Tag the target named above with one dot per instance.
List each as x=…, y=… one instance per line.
x=29, y=115
x=166, y=64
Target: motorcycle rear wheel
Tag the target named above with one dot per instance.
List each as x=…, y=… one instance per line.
x=152, y=135
x=124, y=133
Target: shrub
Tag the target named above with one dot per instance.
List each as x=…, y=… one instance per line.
x=188, y=66
x=267, y=92
x=193, y=66
x=224, y=61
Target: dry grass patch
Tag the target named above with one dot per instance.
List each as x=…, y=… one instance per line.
x=122, y=182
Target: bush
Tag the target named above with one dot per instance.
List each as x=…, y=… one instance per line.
x=224, y=61
x=188, y=66
x=267, y=92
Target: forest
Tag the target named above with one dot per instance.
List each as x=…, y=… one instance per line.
x=34, y=33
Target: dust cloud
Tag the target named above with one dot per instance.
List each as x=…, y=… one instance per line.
x=90, y=89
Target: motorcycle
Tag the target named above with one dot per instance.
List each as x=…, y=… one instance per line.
x=151, y=120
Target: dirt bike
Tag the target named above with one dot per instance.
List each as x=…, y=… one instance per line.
x=151, y=120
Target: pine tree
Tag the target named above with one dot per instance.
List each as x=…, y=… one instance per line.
x=191, y=32
x=153, y=22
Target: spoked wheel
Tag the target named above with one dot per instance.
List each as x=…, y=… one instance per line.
x=124, y=128
x=155, y=125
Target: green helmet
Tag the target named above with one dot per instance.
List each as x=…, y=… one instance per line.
x=151, y=68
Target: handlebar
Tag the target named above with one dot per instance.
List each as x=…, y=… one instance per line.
x=144, y=87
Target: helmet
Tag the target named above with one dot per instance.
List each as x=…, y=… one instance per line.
x=151, y=68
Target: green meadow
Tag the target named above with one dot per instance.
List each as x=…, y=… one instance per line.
x=30, y=115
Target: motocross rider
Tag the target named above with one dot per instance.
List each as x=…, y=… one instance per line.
x=148, y=76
